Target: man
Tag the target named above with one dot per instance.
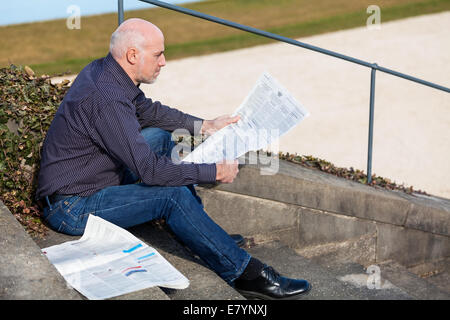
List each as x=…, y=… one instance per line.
x=106, y=135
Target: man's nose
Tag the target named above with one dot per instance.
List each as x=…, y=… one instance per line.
x=162, y=61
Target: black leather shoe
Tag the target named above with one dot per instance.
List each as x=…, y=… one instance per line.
x=271, y=285
x=238, y=239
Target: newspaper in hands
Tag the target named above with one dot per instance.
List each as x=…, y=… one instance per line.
x=268, y=112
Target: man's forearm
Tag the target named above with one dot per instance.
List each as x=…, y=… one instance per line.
x=155, y=114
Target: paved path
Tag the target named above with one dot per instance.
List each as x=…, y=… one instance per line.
x=412, y=122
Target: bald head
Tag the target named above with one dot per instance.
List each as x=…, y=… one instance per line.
x=132, y=33
x=138, y=46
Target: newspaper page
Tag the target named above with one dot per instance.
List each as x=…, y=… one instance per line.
x=108, y=261
x=268, y=112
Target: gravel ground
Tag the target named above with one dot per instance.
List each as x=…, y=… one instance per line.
x=412, y=122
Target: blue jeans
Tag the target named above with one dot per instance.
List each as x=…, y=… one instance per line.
x=132, y=203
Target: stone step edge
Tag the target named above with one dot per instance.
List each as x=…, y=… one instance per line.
x=298, y=185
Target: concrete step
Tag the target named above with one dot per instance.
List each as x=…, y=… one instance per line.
x=204, y=284
x=25, y=273
x=349, y=281
x=437, y=273
x=307, y=208
x=298, y=227
x=416, y=285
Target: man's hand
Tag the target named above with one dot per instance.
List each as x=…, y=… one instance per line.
x=227, y=171
x=211, y=126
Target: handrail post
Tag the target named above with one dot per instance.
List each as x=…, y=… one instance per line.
x=371, y=116
x=120, y=11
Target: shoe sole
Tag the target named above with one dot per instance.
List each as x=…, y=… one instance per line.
x=253, y=295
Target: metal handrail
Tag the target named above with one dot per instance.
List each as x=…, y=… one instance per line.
x=373, y=66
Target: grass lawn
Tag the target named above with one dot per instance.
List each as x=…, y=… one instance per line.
x=50, y=48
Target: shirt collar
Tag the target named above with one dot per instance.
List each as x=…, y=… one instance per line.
x=130, y=89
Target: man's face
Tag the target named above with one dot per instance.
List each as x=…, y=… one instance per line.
x=151, y=60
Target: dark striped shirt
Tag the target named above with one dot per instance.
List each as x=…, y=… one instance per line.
x=95, y=135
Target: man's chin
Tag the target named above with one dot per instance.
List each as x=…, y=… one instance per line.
x=147, y=81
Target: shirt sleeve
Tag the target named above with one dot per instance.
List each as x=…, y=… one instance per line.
x=118, y=133
x=155, y=114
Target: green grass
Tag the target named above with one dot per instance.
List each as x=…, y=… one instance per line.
x=187, y=36
x=308, y=28
x=62, y=66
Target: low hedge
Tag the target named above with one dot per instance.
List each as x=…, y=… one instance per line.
x=27, y=106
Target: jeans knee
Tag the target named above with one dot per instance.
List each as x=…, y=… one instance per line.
x=150, y=133
x=182, y=193
x=181, y=199
x=159, y=140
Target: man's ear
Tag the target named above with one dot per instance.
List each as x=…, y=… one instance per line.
x=131, y=56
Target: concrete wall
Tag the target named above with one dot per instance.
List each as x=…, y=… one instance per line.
x=319, y=214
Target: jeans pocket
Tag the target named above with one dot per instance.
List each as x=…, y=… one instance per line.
x=46, y=213
x=70, y=230
x=72, y=207
x=82, y=221
x=64, y=216
x=53, y=216
x=68, y=203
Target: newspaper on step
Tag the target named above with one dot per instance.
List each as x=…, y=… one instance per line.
x=268, y=112
x=108, y=261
